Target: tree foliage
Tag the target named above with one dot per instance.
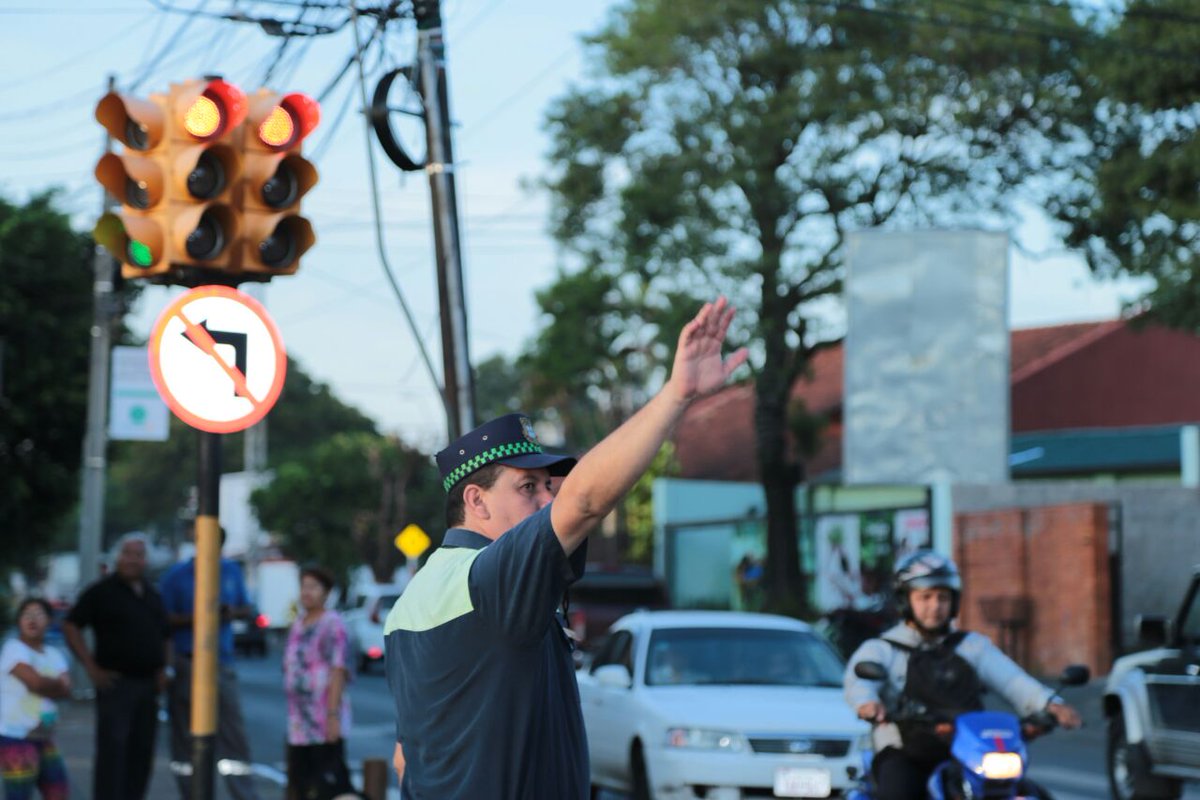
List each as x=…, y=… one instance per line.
x=150, y=483
x=730, y=147
x=1134, y=204
x=45, y=320
x=639, y=505
x=345, y=501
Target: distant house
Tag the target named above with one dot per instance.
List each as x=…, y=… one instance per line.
x=1094, y=399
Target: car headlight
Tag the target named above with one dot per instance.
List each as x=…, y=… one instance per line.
x=703, y=739
x=1000, y=766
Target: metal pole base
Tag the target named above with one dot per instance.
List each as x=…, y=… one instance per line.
x=204, y=767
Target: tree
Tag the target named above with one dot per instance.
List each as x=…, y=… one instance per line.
x=345, y=501
x=1133, y=207
x=150, y=483
x=639, y=505
x=45, y=320
x=499, y=388
x=731, y=146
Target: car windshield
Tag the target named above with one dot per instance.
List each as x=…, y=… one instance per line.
x=740, y=656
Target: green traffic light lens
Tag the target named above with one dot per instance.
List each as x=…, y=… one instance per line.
x=139, y=254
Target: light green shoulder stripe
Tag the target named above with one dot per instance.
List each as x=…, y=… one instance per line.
x=436, y=595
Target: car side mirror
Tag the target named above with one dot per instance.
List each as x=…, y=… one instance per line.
x=1075, y=675
x=1152, y=631
x=614, y=676
x=870, y=671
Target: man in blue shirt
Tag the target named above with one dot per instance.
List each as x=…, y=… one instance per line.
x=178, y=594
x=478, y=664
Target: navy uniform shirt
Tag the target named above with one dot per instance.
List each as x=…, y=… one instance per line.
x=481, y=670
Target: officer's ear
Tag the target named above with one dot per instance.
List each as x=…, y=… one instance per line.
x=474, y=502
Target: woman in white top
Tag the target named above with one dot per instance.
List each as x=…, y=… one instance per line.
x=31, y=676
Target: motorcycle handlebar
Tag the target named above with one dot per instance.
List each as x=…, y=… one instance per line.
x=1037, y=724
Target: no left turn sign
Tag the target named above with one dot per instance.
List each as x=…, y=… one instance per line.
x=217, y=359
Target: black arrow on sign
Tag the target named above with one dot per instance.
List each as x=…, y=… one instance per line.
x=235, y=340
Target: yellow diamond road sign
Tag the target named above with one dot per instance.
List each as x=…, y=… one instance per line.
x=412, y=541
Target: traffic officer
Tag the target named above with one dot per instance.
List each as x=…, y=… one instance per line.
x=478, y=666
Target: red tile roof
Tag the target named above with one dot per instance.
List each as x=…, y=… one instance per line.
x=715, y=440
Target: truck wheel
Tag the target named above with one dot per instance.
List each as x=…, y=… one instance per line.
x=1129, y=775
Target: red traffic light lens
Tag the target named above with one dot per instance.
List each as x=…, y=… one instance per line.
x=204, y=118
x=293, y=118
x=278, y=129
x=218, y=108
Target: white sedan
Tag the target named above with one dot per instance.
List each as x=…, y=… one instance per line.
x=718, y=705
x=364, y=623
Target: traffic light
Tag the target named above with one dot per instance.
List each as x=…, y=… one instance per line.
x=137, y=178
x=277, y=176
x=176, y=179
x=206, y=166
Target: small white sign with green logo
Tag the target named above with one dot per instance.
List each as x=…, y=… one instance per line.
x=135, y=410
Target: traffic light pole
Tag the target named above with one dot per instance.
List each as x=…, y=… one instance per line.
x=458, y=383
x=95, y=442
x=206, y=619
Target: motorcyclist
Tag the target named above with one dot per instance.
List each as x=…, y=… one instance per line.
x=949, y=671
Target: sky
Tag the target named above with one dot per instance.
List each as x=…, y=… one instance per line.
x=507, y=61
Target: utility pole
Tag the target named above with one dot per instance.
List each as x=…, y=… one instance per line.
x=458, y=383
x=95, y=440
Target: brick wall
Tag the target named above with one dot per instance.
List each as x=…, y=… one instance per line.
x=1036, y=581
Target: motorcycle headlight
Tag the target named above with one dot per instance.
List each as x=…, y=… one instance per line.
x=1001, y=766
x=703, y=739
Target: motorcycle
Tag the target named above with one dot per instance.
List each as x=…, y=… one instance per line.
x=988, y=754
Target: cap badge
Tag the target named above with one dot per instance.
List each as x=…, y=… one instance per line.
x=527, y=429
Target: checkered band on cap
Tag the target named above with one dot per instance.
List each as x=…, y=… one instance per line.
x=487, y=457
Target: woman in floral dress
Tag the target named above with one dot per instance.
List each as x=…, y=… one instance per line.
x=314, y=678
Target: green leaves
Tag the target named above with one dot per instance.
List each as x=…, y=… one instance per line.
x=728, y=148
x=345, y=501
x=45, y=319
x=1133, y=205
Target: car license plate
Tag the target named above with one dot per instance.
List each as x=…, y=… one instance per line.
x=802, y=782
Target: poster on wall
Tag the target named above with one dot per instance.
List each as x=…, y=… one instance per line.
x=875, y=556
x=911, y=531
x=749, y=550
x=838, y=580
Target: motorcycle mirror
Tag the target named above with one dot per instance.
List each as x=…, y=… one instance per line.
x=1075, y=675
x=870, y=671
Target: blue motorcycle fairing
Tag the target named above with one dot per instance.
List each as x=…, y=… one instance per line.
x=977, y=733
x=980, y=732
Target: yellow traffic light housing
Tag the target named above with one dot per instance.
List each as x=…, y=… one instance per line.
x=210, y=183
x=176, y=180
x=277, y=177
x=137, y=178
x=206, y=167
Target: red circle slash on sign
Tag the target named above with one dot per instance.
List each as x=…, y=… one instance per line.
x=217, y=359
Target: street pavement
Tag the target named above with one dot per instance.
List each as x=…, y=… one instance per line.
x=265, y=714
x=76, y=739
x=1069, y=763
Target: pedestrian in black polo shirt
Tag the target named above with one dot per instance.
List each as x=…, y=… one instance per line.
x=126, y=614
x=478, y=666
